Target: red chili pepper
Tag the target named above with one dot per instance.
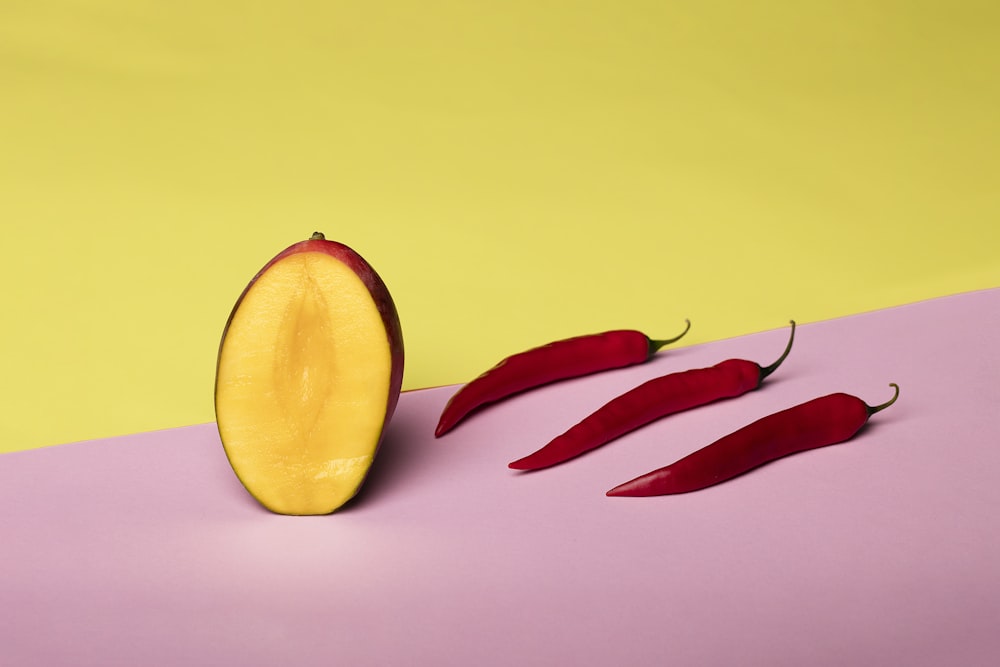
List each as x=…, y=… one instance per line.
x=652, y=400
x=560, y=360
x=822, y=421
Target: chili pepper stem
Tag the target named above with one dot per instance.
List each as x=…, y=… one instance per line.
x=655, y=345
x=767, y=370
x=872, y=409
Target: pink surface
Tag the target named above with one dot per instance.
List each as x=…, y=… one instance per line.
x=145, y=550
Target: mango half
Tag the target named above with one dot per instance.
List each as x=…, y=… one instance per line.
x=309, y=372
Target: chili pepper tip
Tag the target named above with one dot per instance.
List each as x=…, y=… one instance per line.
x=640, y=487
x=530, y=462
x=624, y=491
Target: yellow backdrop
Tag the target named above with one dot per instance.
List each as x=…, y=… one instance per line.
x=516, y=171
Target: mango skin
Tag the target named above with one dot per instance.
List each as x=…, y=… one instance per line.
x=386, y=308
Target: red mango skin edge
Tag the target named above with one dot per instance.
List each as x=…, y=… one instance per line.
x=650, y=401
x=823, y=421
x=559, y=360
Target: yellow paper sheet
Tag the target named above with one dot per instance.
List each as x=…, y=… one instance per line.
x=517, y=172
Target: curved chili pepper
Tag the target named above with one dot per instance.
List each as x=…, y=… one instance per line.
x=559, y=360
x=822, y=421
x=652, y=400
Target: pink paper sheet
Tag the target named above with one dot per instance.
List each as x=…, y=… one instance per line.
x=145, y=550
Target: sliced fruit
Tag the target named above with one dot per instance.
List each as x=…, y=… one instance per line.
x=309, y=373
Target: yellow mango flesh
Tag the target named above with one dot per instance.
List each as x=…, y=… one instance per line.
x=302, y=385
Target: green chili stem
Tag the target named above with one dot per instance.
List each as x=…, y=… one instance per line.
x=655, y=345
x=767, y=370
x=872, y=409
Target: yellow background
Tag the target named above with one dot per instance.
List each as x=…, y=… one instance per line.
x=516, y=171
